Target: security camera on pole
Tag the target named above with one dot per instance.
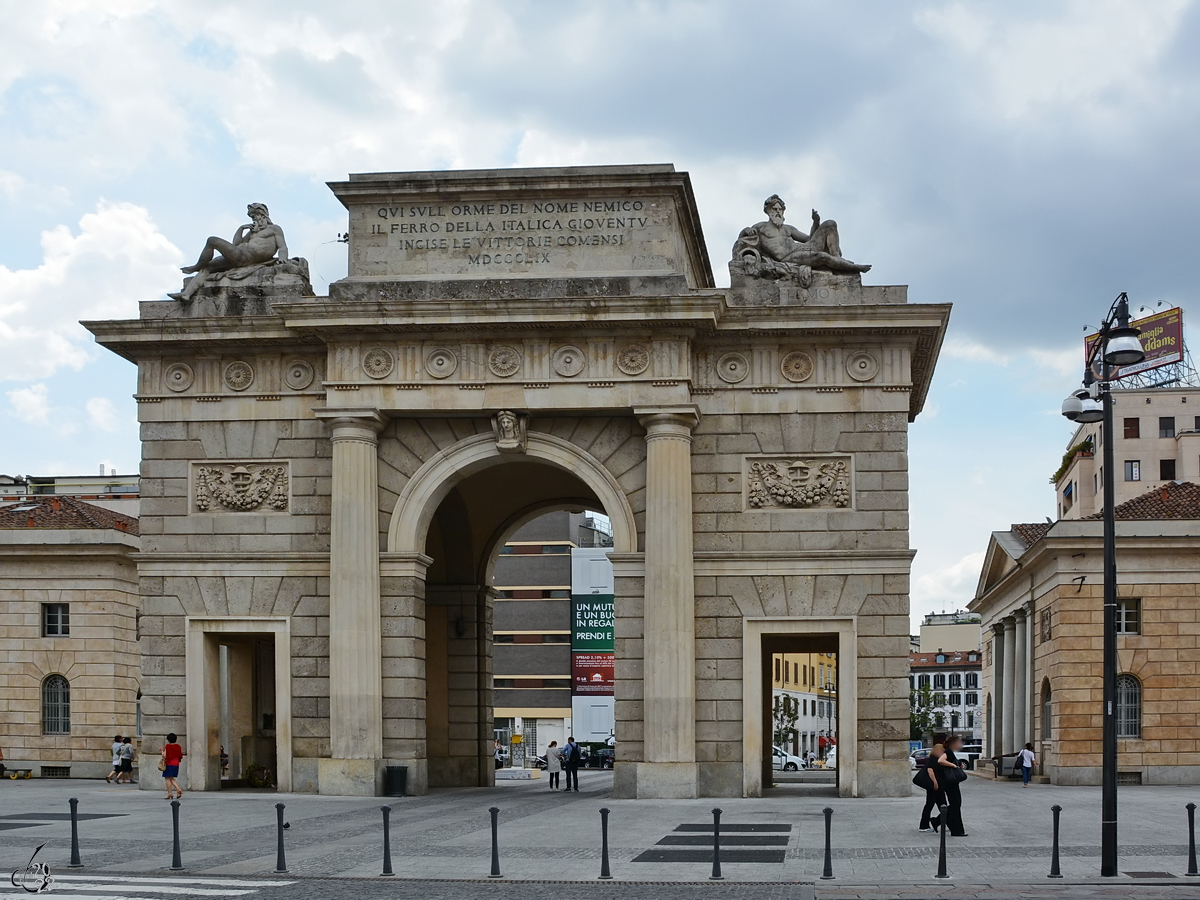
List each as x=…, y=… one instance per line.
x=1118, y=345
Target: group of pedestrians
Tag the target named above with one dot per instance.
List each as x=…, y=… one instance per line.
x=122, y=761
x=942, y=774
x=564, y=759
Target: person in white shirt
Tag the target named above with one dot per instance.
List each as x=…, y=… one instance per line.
x=116, y=760
x=1027, y=761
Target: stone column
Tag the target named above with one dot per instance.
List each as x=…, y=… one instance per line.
x=355, y=642
x=669, y=678
x=1010, y=687
x=1021, y=682
x=997, y=710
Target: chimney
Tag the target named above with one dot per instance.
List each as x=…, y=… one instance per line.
x=55, y=505
x=1164, y=493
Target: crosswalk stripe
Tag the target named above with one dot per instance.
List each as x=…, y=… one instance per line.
x=59, y=895
x=158, y=889
x=170, y=879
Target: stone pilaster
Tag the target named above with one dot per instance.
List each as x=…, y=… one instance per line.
x=355, y=640
x=669, y=770
x=1009, y=677
x=996, y=747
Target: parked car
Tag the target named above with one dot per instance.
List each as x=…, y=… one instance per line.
x=781, y=759
x=917, y=757
x=607, y=757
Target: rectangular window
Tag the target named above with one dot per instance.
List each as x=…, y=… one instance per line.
x=1133, y=428
x=1129, y=617
x=1166, y=426
x=956, y=699
x=972, y=679
x=972, y=699
x=1133, y=470
x=796, y=672
x=56, y=620
x=778, y=677
x=939, y=699
x=955, y=680
x=970, y=720
x=923, y=681
x=1197, y=428
x=1166, y=470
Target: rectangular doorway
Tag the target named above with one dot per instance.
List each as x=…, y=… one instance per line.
x=239, y=698
x=799, y=693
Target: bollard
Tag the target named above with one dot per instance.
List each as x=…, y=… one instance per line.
x=942, y=872
x=176, y=859
x=495, y=873
x=76, y=862
x=387, y=843
x=828, y=872
x=605, y=872
x=716, y=872
x=1191, y=809
x=1055, y=871
x=280, y=859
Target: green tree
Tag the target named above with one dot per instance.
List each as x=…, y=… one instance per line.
x=787, y=712
x=924, y=717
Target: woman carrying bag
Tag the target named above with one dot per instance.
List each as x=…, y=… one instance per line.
x=926, y=778
x=951, y=776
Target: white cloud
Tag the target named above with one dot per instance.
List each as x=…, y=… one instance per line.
x=950, y=586
x=31, y=404
x=117, y=257
x=102, y=414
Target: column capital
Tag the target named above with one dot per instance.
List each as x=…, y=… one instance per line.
x=353, y=424
x=668, y=421
x=1009, y=623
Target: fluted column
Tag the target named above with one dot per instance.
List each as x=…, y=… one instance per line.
x=355, y=643
x=1021, y=681
x=1010, y=688
x=669, y=674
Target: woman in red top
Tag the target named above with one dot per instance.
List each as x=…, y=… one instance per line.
x=172, y=756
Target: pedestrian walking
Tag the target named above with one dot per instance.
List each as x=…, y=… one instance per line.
x=116, y=760
x=951, y=775
x=498, y=753
x=571, y=757
x=554, y=763
x=126, y=754
x=172, y=756
x=1025, y=757
x=927, y=778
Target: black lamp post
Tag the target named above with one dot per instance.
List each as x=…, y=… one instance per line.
x=1118, y=345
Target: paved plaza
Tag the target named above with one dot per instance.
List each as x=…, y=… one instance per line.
x=441, y=843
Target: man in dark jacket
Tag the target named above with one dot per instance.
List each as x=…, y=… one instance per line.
x=571, y=758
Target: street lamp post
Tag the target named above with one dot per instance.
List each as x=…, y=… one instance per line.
x=1117, y=345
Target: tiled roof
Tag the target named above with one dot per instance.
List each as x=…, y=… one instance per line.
x=954, y=659
x=1174, y=500
x=63, y=512
x=1031, y=533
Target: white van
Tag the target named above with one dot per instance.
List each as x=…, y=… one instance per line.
x=831, y=758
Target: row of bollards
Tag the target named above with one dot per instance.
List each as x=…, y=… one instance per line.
x=605, y=869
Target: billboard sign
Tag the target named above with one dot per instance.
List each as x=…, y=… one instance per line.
x=1161, y=337
x=592, y=673
x=592, y=622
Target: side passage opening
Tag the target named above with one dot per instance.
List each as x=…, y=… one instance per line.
x=800, y=713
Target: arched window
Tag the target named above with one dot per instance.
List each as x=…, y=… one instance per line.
x=56, y=705
x=1129, y=707
x=1047, y=720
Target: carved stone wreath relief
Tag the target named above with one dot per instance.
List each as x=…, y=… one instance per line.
x=796, y=366
x=797, y=483
x=299, y=374
x=633, y=360
x=241, y=487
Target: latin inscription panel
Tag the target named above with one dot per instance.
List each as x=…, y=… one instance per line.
x=567, y=236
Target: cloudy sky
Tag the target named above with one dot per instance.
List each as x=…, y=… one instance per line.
x=1025, y=161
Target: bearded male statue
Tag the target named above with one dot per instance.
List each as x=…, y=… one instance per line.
x=255, y=244
x=774, y=249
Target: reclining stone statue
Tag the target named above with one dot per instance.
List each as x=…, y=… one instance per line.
x=774, y=249
x=251, y=257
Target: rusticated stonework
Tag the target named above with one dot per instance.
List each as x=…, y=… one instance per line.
x=798, y=483
x=245, y=487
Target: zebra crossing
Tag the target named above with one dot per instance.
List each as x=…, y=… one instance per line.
x=130, y=887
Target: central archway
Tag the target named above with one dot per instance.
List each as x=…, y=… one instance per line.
x=456, y=511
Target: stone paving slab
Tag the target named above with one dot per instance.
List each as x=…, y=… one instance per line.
x=545, y=836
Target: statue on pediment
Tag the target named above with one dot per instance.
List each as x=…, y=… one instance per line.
x=255, y=258
x=773, y=249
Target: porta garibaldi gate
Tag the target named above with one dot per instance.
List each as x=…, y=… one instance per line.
x=327, y=479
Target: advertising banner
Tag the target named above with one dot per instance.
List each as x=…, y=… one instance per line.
x=592, y=673
x=1161, y=337
x=592, y=622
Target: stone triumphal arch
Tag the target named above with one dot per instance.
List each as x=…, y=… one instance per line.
x=326, y=480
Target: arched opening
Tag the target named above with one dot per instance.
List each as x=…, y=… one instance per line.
x=1047, y=711
x=457, y=511
x=56, y=705
x=1129, y=706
